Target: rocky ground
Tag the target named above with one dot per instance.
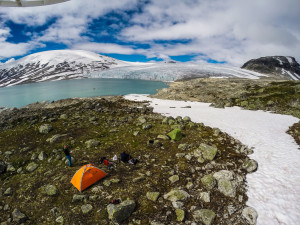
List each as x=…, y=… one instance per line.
x=197, y=176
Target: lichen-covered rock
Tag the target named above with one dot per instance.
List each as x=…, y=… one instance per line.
x=250, y=215
x=180, y=215
x=120, y=212
x=92, y=143
x=226, y=187
x=153, y=196
x=163, y=137
x=205, y=152
x=204, y=196
x=174, y=178
x=183, y=147
x=86, y=208
x=250, y=165
x=42, y=156
x=32, y=167
x=79, y=198
x=175, y=134
x=10, y=168
x=176, y=195
x=19, y=217
x=186, y=119
x=45, y=128
x=50, y=190
x=60, y=220
x=141, y=120
x=205, y=216
x=8, y=192
x=64, y=116
x=54, y=138
x=208, y=181
x=146, y=126
x=224, y=174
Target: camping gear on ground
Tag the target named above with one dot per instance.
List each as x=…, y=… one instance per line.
x=102, y=159
x=133, y=161
x=115, y=158
x=86, y=176
x=125, y=157
x=108, y=164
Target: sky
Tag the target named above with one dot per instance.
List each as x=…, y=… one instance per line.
x=214, y=31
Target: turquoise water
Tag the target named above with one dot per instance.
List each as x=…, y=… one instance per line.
x=21, y=95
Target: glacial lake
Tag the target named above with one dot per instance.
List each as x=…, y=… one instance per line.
x=21, y=95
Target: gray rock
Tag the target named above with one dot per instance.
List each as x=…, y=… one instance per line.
x=183, y=147
x=8, y=192
x=34, y=156
x=231, y=209
x=187, y=118
x=50, y=190
x=32, y=167
x=224, y=174
x=146, y=126
x=45, y=128
x=10, y=168
x=141, y=120
x=8, y=153
x=63, y=116
x=208, y=181
x=163, y=137
x=205, y=152
x=226, y=187
x=120, y=212
x=157, y=143
x=250, y=165
x=86, y=208
x=18, y=216
x=176, y=195
x=204, y=196
x=42, y=156
x=153, y=196
x=205, y=216
x=174, y=178
x=3, y=167
x=60, y=220
x=55, y=138
x=92, y=143
x=79, y=198
x=250, y=215
x=178, y=205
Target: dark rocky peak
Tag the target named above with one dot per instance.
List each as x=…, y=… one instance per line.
x=286, y=67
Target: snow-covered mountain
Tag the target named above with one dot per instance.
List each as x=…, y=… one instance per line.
x=55, y=65
x=285, y=67
x=74, y=64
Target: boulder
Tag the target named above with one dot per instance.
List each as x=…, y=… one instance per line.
x=79, y=198
x=186, y=119
x=50, y=190
x=205, y=216
x=174, y=178
x=224, y=174
x=176, y=195
x=163, y=137
x=19, y=217
x=63, y=116
x=3, y=167
x=205, y=152
x=250, y=215
x=146, y=126
x=183, y=147
x=153, y=196
x=92, y=143
x=226, y=187
x=180, y=215
x=86, y=208
x=120, y=212
x=175, y=134
x=32, y=167
x=141, y=120
x=10, y=168
x=42, y=156
x=208, y=181
x=45, y=128
x=55, y=138
x=204, y=196
x=250, y=165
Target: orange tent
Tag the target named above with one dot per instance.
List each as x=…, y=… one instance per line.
x=86, y=176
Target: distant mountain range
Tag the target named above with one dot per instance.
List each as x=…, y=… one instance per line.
x=76, y=64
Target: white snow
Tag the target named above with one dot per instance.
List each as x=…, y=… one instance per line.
x=289, y=59
x=280, y=62
x=274, y=189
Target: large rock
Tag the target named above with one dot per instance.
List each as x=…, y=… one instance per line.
x=176, y=195
x=42, y=156
x=86, y=208
x=174, y=178
x=224, y=174
x=205, y=216
x=226, y=187
x=3, y=167
x=45, y=128
x=92, y=143
x=32, y=167
x=205, y=152
x=55, y=138
x=175, y=134
x=153, y=196
x=208, y=181
x=250, y=215
x=50, y=190
x=180, y=214
x=79, y=198
x=120, y=212
x=250, y=165
x=19, y=217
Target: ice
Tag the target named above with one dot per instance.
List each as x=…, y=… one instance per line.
x=274, y=189
x=174, y=71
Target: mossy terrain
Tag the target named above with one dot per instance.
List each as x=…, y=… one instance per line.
x=119, y=125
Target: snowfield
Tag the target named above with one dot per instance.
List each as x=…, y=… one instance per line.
x=274, y=189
